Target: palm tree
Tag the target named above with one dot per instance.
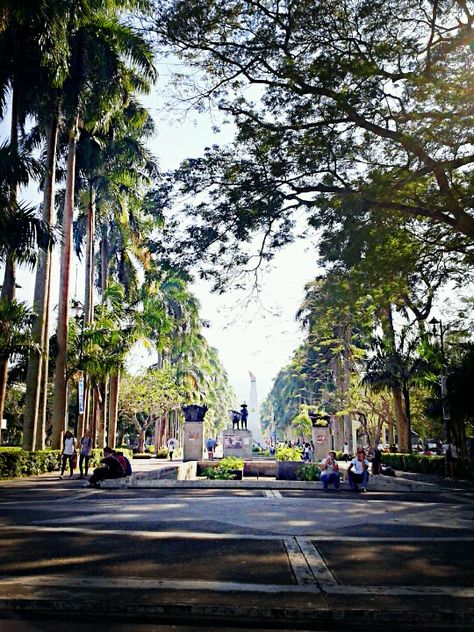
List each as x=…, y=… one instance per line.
x=99, y=81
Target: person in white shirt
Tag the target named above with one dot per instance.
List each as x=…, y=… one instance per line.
x=451, y=457
x=345, y=451
x=330, y=471
x=358, y=471
x=171, y=445
x=69, y=449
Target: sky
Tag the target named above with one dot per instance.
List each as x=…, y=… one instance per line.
x=252, y=333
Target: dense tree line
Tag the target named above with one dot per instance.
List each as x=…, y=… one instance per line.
x=360, y=115
x=71, y=78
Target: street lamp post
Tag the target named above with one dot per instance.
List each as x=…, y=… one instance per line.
x=434, y=322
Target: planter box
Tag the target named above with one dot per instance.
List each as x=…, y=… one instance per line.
x=286, y=470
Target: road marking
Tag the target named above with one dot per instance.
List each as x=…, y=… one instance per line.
x=273, y=493
x=133, y=583
x=316, y=563
x=300, y=567
x=151, y=584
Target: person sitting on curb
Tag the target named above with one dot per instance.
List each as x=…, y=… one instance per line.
x=330, y=471
x=112, y=468
x=358, y=471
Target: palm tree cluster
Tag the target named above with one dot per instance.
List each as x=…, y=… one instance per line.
x=71, y=78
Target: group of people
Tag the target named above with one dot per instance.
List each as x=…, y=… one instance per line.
x=69, y=454
x=114, y=464
x=357, y=472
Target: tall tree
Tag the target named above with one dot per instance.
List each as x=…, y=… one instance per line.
x=108, y=59
x=365, y=107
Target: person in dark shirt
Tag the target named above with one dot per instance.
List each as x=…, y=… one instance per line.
x=111, y=468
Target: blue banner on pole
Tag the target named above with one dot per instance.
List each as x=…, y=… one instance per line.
x=80, y=394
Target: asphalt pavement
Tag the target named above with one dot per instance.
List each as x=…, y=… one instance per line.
x=268, y=557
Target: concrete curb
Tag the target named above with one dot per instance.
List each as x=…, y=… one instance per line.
x=125, y=608
x=183, y=476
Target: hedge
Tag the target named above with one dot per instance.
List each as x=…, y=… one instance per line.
x=15, y=462
x=426, y=464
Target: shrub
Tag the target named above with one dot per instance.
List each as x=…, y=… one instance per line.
x=231, y=463
x=309, y=472
x=162, y=453
x=218, y=473
x=426, y=464
x=285, y=453
x=226, y=468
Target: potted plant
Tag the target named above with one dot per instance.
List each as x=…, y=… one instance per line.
x=288, y=462
x=228, y=468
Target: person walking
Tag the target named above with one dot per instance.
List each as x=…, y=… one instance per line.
x=345, y=451
x=307, y=453
x=451, y=457
x=358, y=472
x=171, y=444
x=377, y=460
x=69, y=450
x=330, y=471
x=85, y=454
x=211, y=446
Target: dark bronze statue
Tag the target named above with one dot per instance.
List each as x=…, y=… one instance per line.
x=244, y=414
x=194, y=412
x=235, y=418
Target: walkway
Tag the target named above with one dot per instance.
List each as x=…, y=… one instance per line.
x=234, y=557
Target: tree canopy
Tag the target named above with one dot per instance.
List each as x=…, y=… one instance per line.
x=341, y=108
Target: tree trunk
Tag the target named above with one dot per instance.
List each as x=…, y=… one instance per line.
x=346, y=380
x=113, y=408
x=60, y=378
x=39, y=329
x=89, y=282
x=402, y=424
x=403, y=430
x=9, y=280
x=141, y=440
x=101, y=389
x=104, y=267
x=8, y=295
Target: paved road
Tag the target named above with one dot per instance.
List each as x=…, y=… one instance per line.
x=185, y=559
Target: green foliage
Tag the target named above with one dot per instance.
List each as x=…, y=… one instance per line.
x=225, y=470
x=231, y=463
x=217, y=473
x=426, y=464
x=162, y=453
x=287, y=453
x=15, y=462
x=309, y=472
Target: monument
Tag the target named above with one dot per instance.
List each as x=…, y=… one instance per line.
x=193, y=432
x=237, y=441
x=254, y=413
x=321, y=435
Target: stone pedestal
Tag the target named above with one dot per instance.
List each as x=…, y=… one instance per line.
x=193, y=441
x=322, y=442
x=238, y=443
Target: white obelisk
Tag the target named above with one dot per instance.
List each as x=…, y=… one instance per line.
x=253, y=422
